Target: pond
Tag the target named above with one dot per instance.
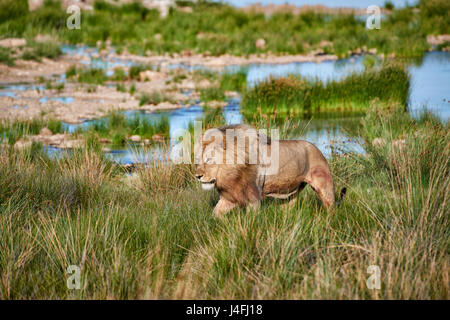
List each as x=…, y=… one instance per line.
x=430, y=88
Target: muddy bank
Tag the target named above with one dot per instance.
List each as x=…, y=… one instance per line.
x=219, y=62
x=28, y=70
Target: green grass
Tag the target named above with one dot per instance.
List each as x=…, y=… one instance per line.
x=296, y=95
x=87, y=75
x=38, y=50
x=152, y=235
x=234, y=81
x=156, y=97
x=11, y=131
x=6, y=56
x=212, y=94
x=118, y=128
x=219, y=29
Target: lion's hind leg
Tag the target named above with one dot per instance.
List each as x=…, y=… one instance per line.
x=320, y=179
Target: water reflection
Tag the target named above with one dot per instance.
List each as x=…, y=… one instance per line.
x=430, y=87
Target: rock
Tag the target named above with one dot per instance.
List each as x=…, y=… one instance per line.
x=186, y=53
x=439, y=39
x=147, y=142
x=54, y=140
x=149, y=75
x=71, y=144
x=13, y=42
x=216, y=104
x=260, y=43
x=203, y=84
x=201, y=35
x=391, y=55
x=22, y=144
x=373, y=51
x=158, y=36
x=161, y=106
x=135, y=138
x=157, y=138
x=325, y=43
x=45, y=132
x=232, y=94
x=105, y=140
x=378, y=142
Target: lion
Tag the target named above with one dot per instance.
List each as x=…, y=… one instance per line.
x=246, y=183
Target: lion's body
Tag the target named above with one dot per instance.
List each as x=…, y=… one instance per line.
x=300, y=163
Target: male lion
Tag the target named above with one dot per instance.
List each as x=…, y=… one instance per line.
x=245, y=183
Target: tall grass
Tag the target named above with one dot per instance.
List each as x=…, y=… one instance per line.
x=117, y=127
x=11, y=131
x=152, y=235
x=297, y=95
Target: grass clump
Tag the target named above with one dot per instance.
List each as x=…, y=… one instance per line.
x=212, y=94
x=156, y=97
x=151, y=234
x=6, y=56
x=297, y=95
x=87, y=75
x=11, y=131
x=38, y=50
x=234, y=81
x=118, y=128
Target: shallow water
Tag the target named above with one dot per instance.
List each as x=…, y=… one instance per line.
x=430, y=88
x=430, y=85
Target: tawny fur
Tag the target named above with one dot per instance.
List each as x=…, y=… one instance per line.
x=246, y=184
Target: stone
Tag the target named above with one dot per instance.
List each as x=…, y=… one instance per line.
x=22, y=144
x=135, y=138
x=149, y=75
x=13, y=42
x=105, y=140
x=157, y=138
x=260, y=43
x=45, y=132
x=216, y=104
x=71, y=144
x=325, y=43
x=203, y=84
x=439, y=39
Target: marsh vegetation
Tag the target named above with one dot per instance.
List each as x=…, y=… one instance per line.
x=152, y=234
x=147, y=231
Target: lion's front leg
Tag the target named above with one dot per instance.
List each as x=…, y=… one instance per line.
x=222, y=207
x=253, y=206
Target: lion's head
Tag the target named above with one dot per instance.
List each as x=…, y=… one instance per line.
x=227, y=169
x=207, y=169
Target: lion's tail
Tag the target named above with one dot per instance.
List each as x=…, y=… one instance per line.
x=341, y=196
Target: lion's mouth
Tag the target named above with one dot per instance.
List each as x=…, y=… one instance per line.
x=208, y=185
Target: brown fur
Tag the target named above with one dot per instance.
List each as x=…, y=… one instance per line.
x=246, y=184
